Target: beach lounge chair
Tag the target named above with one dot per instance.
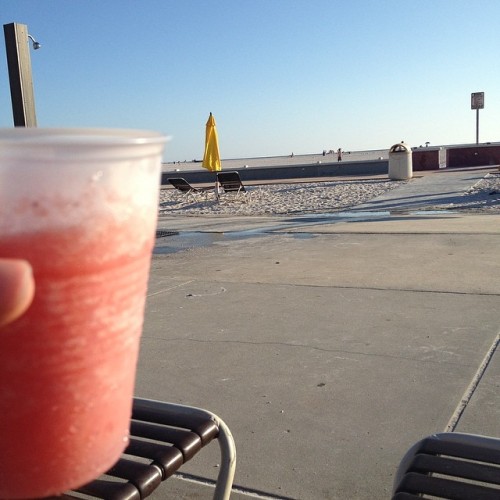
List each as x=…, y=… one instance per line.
x=230, y=182
x=450, y=465
x=183, y=186
x=164, y=436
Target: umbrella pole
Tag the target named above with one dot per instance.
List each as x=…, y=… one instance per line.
x=217, y=197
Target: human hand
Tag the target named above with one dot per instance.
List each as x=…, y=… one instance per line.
x=17, y=288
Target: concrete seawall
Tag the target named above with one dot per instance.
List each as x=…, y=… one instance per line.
x=319, y=170
x=373, y=162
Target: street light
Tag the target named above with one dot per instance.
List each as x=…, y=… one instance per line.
x=36, y=45
x=21, y=81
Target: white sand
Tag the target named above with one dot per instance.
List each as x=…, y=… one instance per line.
x=313, y=197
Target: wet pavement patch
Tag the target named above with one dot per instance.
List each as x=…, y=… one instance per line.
x=161, y=233
x=185, y=240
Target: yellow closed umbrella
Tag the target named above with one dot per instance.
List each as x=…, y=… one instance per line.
x=211, y=157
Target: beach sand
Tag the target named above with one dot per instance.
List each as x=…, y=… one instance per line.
x=314, y=197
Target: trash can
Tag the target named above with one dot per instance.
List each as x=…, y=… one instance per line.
x=400, y=163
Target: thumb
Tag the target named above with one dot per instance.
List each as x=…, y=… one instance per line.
x=17, y=288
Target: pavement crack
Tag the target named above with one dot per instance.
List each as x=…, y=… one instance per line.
x=169, y=288
x=471, y=389
x=307, y=346
x=241, y=490
x=378, y=289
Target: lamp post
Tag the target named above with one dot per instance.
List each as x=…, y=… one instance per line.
x=20, y=78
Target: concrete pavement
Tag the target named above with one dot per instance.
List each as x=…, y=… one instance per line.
x=328, y=345
x=443, y=188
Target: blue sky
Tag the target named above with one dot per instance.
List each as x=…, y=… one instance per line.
x=280, y=76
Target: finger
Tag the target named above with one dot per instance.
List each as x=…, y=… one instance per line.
x=17, y=288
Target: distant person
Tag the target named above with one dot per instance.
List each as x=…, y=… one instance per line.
x=339, y=154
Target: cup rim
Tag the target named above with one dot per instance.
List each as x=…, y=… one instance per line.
x=39, y=136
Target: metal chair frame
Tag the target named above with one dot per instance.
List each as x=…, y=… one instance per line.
x=184, y=187
x=450, y=465
x=230, y=182
x=163, y=437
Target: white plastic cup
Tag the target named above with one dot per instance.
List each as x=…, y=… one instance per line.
x=81, y=206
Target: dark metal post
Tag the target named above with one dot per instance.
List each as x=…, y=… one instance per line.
x=21, y=82
x=477, y=126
